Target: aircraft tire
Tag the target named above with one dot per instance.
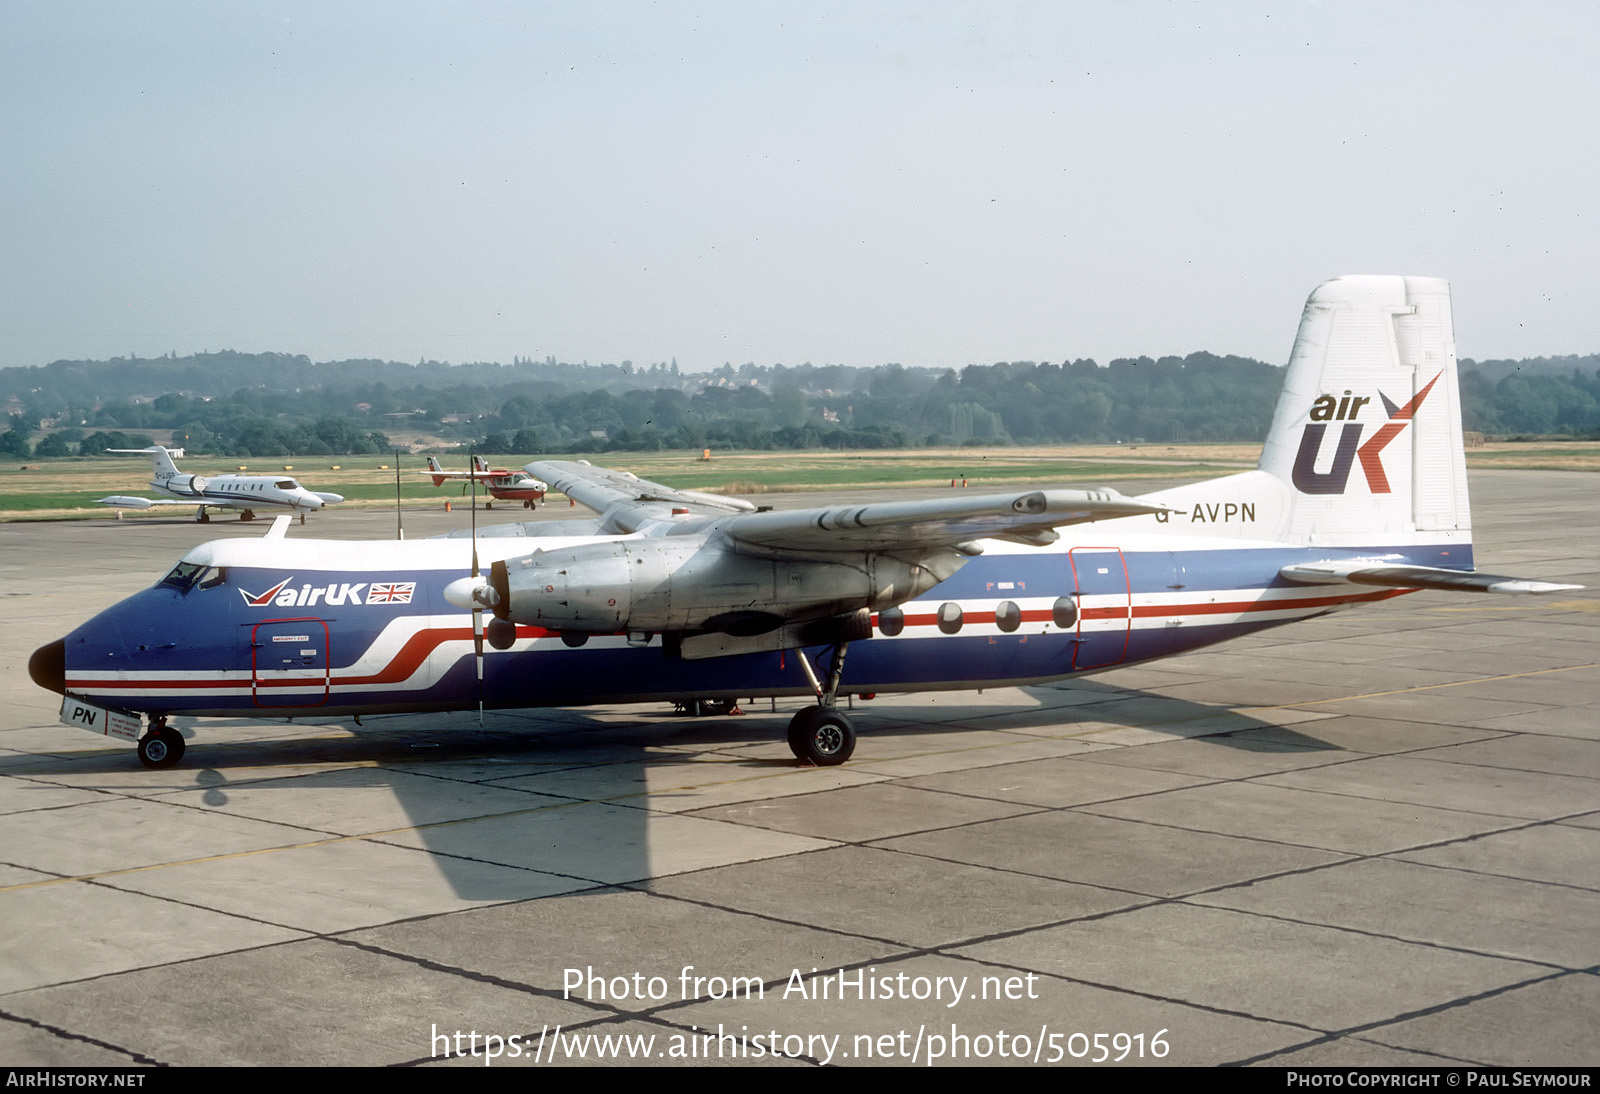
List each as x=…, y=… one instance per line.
x=161, y=748
x=822, y=736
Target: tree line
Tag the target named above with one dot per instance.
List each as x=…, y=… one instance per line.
x=280, y=405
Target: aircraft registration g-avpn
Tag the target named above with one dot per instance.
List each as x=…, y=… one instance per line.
x=246, y=493
x=1360, y=495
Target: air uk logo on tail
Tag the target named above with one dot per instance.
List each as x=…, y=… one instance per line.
x=1331, y=408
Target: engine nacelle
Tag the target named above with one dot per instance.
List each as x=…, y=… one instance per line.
x=689, y=584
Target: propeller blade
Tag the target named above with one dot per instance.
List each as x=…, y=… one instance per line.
x=477, y=610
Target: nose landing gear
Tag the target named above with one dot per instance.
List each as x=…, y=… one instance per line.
x=162, y=746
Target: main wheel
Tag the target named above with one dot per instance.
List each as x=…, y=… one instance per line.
x=161, y=747
x=821, y=735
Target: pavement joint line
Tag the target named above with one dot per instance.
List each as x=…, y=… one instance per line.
x=1380, y=935
x=58, y=1031
x=1421, y=687
x=1424, y=1012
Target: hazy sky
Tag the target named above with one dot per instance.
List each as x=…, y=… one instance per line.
x=855, y=183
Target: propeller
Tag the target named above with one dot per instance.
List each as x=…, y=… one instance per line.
x=477, y=600
x=476, y=593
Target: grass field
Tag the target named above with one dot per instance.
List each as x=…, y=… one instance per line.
x=68, y=488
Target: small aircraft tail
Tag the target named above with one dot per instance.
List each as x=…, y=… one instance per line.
x=479, y=464
x=161, y=465
x=433, y=465
x=1365, y=448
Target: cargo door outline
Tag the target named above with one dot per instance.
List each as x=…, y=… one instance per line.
x=1103, y=629
x=289, y=662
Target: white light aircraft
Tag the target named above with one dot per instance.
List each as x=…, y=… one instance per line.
x=502, y=483
x=1360, y=495
x=246, y=493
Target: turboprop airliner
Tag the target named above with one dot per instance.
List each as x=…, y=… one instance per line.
x=246, y=493
x=672, y=595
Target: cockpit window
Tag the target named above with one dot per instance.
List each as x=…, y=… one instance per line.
x=286, y=484
x=213, y=578
x=184, y=575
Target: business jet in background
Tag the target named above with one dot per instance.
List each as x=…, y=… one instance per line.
x=245, y=493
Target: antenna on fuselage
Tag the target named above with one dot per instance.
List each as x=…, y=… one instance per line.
x=399, y=532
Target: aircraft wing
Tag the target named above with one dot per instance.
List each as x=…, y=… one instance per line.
x=625, y=498
x=122, y=501
x=1368, y=572
x=494, y=473
x=1029, y=517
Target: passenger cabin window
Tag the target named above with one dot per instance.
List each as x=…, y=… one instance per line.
x=891, y=621
x=949, y=617
x=1007, y=616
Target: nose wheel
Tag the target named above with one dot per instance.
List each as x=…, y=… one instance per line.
x=161, y=747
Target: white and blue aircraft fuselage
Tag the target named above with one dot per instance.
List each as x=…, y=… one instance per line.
x=1360, y=495
x=245, y=493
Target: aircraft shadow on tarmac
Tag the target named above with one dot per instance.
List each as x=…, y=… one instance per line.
x=540, y=802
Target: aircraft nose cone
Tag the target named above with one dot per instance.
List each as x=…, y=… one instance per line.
x=48, y=667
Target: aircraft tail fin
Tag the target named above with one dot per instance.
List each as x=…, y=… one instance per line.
x=433, y=465
x=1365, y=448
x=1367, y=436
x=161, y=465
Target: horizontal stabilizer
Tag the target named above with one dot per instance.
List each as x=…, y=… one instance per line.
x=1416, y=577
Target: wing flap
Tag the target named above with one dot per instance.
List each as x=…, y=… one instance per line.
x=1367, y=572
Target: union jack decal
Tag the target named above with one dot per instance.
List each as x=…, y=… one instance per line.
x=393, y=592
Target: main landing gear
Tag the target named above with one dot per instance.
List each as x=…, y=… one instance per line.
x=162, y=746
x=822, y=734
